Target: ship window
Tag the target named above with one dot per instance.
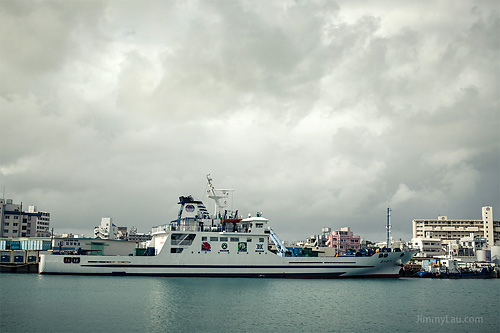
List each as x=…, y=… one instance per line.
x=249, y=239
x=175, y=250
x=223, y=239
x=76, y=260
x=182, y=239
x=235, y=239
x=67, y=260
x=259, y=225
x=214, y=239
x=261, y=240
x=203, y=239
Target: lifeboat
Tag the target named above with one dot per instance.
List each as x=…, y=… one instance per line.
x=231, y=220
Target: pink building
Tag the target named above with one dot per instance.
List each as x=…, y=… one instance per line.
x=343, y=240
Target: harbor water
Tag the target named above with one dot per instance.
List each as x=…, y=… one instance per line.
x=35, y=303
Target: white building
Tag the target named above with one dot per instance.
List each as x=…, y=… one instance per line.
x=122, y=233
x=448, y=230
x=93, y=246
x=395, y=244
x=427, y=246
x=469, y=246
x=135, y=236
x=14, y=222
x=107, y=230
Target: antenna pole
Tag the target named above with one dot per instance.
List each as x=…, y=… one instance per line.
x=388, y=227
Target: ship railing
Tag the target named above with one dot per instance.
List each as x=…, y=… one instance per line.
x=197, y=228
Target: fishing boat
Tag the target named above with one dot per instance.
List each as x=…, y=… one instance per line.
x=223, y=244
x=449, y=269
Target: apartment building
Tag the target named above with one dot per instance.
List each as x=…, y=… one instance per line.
x=343, y=240
x=15, y=222
x=451, y=229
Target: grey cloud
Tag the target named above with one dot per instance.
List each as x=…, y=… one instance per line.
x=38, y=37
x=317, y=113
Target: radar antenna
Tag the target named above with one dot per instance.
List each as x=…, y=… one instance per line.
x=218, y=195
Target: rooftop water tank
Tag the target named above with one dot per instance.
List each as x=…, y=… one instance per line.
x=483, y=255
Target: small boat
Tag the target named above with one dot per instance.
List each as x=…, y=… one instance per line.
x=449, y=269
x=425, y=274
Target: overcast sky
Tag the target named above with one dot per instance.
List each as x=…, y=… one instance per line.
x=317, y=113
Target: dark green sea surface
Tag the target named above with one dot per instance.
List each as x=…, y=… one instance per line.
x=34, y=303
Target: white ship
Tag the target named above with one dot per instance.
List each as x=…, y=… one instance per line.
x=223, y=245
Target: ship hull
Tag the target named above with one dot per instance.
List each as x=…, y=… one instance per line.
x=267, y=266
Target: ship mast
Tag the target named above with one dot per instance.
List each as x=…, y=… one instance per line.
x=219, y=196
